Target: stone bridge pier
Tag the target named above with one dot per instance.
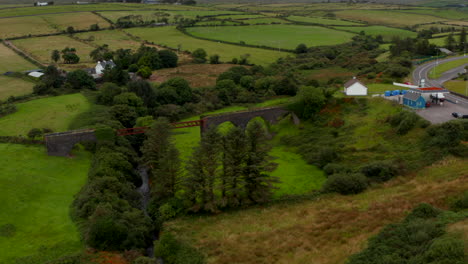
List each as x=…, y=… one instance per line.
x=61, y=144
x=241, y=119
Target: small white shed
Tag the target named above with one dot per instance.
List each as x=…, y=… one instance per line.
x=355, y=87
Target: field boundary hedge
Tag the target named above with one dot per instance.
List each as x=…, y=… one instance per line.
x=20, y=140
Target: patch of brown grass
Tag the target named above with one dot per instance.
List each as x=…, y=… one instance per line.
x=324, y=231
x=198, y=75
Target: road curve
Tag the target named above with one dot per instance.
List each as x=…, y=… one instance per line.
x=422, y=72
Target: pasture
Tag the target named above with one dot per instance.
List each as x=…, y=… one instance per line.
x=457, y=86
x=438, y=41
x=217, y=23
x=171, y=37
x=322, y=21
x=114, y=38
x=266, y=20
x=383, y=17
x=442, y=13
x=386, y=32
x=79, y=21
x=275, y=36
x=37, y=191
x=10, y=86
x=29, y=11
x=23, y=26
x=15, y=62
x=441, y=68
x=148, y=15
x=41, y=48
x=56, y=113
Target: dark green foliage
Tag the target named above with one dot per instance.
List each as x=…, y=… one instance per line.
x=70, y=58
x=301, y=48
x=52, y=77
x=34, y=133
x=94, y=27
x=80, y=80
x=144, y=90
x=445, y=250
x=346, y=183
x=461, y=203
x=323, y=155
x=115, y=75
x=214, y=59
x=199, y=56
x=168, y=58
x=380, y=170
x=308, y=102
x=105, y=133
x=7, y=230
x=124, y=114
x=55, y=56
x=334, y=168
x=130, y=99
x=101, y=53
x=423, y=211
x=404, y=121
x=286, y=86
x=6, y=109
x=107, y=93
x=445, y=136
x=174, y=91
x=133, y=68
x=175, y=252
x=227, y=91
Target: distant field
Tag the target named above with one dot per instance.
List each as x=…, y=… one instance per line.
x=457, y=86
x=444, y=13
x=239, y=17
x=78, y=21
x=64, y=8
x=276, y=36
x=171, y=37
x=458, y=23
x=55, y=113
x=37, y=191
x=15, y=62
x=148, y=15
x=386, y=17
x=10, y=86
x=114, y=38
x=41, y=48
x=217, y=23
x=386, y=32
x=198, y=75
x=322, y=21
x=22, y=26
x=263, y=21
x=438, y=41
x=441, y=68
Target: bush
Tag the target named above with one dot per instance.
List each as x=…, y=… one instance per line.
x=214, y=59
x=404, y=121
x=461, y=203
x=199, y=56
x=423, y=211
x=133, y=68
x=322, y=156
x=34, y=133
x=174, y=252
x=346, y=183
x=144, y=260
x=145, y=72
x=335, y=168
x=6, y=109
x=380, y=170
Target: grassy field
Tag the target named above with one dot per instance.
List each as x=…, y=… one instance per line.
x=198, y=75
x=441, y=68
x=217, y=23
x=55, y=113
x=386, y=32
x=23, y=26
x=458, y=23
x=443, y=13
x=457, y=86
x=10, y=86
x=28, y=11
x=335, y=224
x=37, y=191
x=149, y=15
x=438, y=41
x=263, y=21
x=380, y=88
x=239, y=17
x=15, y=62
x=114, y=38
x=41, y=48
x=386, y=18
x=321, y=21
x=171, y=37
x=78, y=21
x=323, y=75
x=276, y=36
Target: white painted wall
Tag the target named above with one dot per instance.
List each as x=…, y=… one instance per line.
x=99, y=68
x=356, y=89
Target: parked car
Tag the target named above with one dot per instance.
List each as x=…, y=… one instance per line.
x=458, y=115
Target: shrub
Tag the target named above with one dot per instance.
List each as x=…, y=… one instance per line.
x=174, y=252
x=335, y=168
x=404, y=121
x=322, y=156
x=380, y=170
x=199, y=56
x=133, y=68
x=144, y=260
x=346, y=183
x=214, y=59
x=423, y=211
x=6, y=109
x=461, y=203
x=145, y=72
x=34, y=133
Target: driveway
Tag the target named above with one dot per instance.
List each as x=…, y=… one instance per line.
x=439, y=114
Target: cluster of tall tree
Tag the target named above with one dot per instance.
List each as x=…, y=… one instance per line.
x=227, y=170
x=454, y=44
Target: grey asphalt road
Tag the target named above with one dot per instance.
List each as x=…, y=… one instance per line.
x=422, y=72
x=437, y=114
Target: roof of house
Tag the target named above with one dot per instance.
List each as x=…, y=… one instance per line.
x=109, y=63
x=412, y=96
x=352, y=82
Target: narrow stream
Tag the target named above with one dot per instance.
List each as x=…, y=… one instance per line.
x=145, y=192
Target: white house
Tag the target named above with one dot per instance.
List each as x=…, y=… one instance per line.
x=355, y=87
x=101, y=66
x=41, y=3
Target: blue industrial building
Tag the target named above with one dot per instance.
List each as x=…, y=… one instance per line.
x=414, y=100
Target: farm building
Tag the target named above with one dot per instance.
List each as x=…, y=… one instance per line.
x=414, y=100
x=101, y=66
x=355, y=87
x=41, y=3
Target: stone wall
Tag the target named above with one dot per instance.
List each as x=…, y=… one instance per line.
x=61, y=144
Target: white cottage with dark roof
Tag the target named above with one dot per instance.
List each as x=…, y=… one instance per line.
x=355, y=87
x=101, y=66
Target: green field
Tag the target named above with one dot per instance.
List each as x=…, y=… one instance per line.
x=55, y=113
x=386, y=32
x=23, y=26
x=15, y=62
x=321, y=21
x=79, y=21
x=263, y=21
x=41, y=48
x=384, y=17
x=28, y=11
x=276, y=36
x=37, y=191
x=441, y=68
x=438, y=41
x=217, y=23
x=380, y=88
x=171, y=37
x=443, y=13
x=457, y=86
x=114, y=38
x=10, y=86
x=149, y=15
x=237, y=17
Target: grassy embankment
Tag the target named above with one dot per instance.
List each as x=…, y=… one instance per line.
x=301, y=232
x=391, y=18
x=171, y=37
x=296, y=176
x=10, y=86
x=437, y=72
x=457, y=86
x=37, y=191
x=15, y=62
x=55, y=113
x=274, y=36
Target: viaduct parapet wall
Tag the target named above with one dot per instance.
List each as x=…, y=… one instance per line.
x=61, y=144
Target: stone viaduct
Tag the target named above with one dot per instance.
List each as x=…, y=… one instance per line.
x=61, y=144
